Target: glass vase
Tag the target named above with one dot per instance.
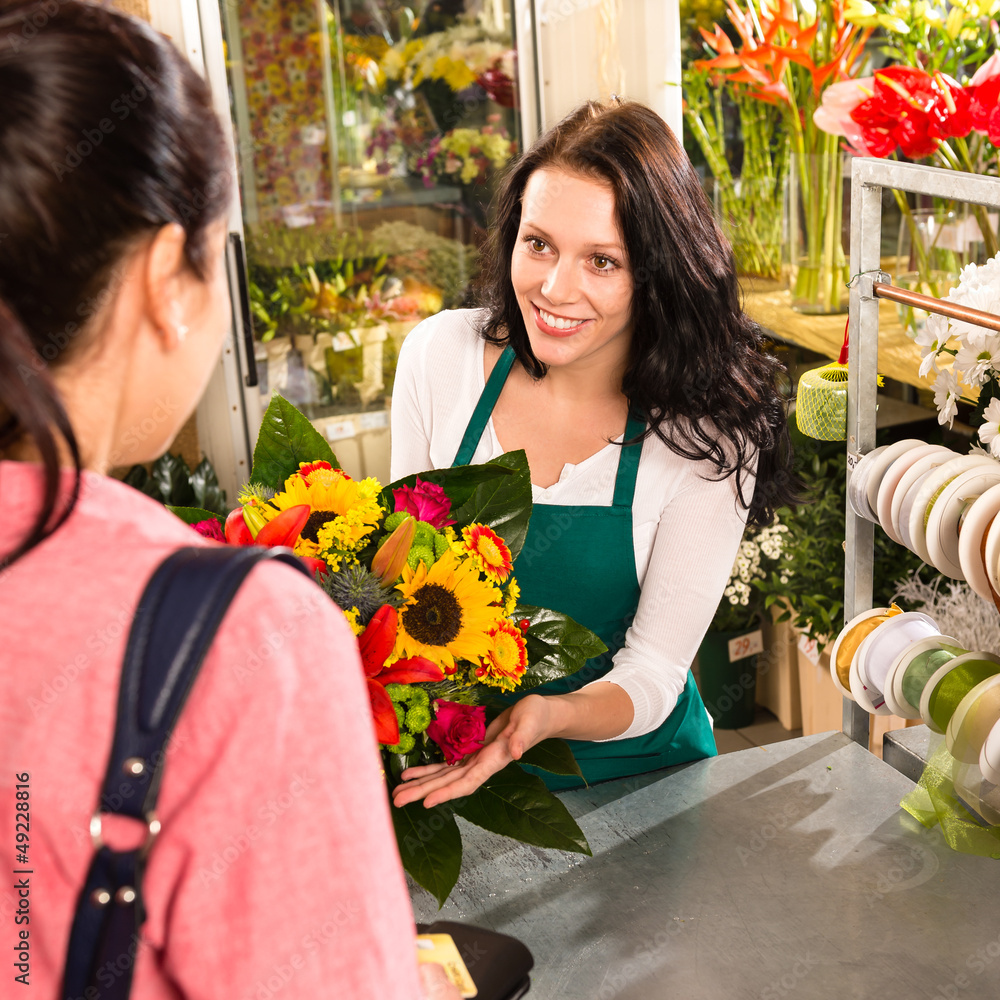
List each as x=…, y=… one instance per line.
x=816, y=243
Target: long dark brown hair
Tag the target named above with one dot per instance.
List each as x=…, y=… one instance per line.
x=106, y=134
x=696, y=359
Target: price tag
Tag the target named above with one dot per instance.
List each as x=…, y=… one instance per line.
x=808, y=647
x=852, y=460
x=746, y=645
x=374, y=421
x=339, y=429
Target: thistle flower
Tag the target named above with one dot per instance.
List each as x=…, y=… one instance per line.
x=357, y=587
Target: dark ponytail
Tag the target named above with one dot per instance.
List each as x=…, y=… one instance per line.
x=106, y=134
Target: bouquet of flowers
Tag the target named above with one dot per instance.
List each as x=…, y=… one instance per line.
x=469, y=155
x=423, y=571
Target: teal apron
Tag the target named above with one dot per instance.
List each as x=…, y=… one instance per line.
x=580, y=560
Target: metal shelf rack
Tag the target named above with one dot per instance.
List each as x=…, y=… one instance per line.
x=868, y=178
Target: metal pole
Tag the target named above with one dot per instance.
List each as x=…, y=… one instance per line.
x=866, y=241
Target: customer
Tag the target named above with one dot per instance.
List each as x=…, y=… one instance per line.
x=276, y=871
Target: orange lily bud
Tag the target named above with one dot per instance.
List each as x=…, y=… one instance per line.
x=285, y=528
x=391, y=556
x=378, y=639
x=253, y=519
x=386, y=723
x=237, y=532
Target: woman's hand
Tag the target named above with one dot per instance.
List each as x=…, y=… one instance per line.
x=512, y=732
x=436, y=984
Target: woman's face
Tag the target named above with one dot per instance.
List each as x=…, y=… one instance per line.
x=569, y=272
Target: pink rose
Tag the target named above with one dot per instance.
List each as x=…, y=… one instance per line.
x=210, y=529
x=457, y=729
x=425, y=501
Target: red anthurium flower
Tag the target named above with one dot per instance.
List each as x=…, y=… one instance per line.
x=285, y=528
x=950, y=113
x=983, y=102
x=386, y=723
x=913, y=136
x=903, y=88
x=237, y=532
x=415, y=670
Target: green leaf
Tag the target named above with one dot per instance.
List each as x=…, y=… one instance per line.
x=518, y=805
x=207, y=492
x=553, y=756
x=557, y=645
x=430, y=846
x=502, y=504
x=286, y=438
x=192, y=515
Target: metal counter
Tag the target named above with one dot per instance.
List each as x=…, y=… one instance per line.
x=779, y=871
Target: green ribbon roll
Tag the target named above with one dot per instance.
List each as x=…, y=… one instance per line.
x=922, y=667
x=954, y=686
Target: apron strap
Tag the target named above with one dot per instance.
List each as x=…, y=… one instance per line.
x=481, y=414
x=628, y=463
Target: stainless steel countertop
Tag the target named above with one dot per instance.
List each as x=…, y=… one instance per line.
x=779, y=871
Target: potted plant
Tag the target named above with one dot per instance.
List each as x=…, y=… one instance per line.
x=727, y=659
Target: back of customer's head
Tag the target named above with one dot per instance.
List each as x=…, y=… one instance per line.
x=107, y=134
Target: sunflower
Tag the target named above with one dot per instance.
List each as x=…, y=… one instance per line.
x=344, y=512
x=507, y=658
x=488, y=551
x=512, y=596
x=448, y=612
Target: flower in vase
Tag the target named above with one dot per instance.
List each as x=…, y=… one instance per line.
x=448, y=612
x=834, y=113
x=989, y=432
x=931, y=338
x=946, y=396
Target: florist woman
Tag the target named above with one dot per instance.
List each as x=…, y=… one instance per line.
x=613, y=350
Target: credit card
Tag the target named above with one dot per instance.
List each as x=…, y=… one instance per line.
x=441, y=948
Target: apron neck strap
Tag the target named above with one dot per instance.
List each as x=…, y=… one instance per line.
x=481, y=414
x=628, y=463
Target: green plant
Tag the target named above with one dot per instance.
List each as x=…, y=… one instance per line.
x=171, y=481
x=810, y=574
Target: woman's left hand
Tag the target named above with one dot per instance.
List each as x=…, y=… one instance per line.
x=508, y=736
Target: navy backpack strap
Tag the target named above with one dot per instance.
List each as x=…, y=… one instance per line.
x=175, y=623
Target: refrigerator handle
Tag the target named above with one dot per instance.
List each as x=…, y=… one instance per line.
x=240, y=257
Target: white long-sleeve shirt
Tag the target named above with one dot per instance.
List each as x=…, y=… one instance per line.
x=686, y=528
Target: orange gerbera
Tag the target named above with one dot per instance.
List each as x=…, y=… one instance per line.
x=489, y=552
x=507, y=659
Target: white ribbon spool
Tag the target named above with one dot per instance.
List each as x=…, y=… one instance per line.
x=891, y=482
x=989, y=757
x=944, y=524
x=970, y=541
x=878, y=652
x=873, y=468
x=906, y=492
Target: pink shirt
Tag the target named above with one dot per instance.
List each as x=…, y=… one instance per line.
x=276, y=873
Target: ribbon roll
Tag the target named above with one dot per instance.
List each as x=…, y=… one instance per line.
x=989, y=756
x=909, y=485
x=893, y=478
x=915, y=665
x=951, y=683
x=878, y=652
x=850, y=638
x=973, y=719
x=975, y=526
x=858, y=487
x=977, y=793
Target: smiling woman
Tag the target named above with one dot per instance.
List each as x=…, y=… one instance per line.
x=612, y=349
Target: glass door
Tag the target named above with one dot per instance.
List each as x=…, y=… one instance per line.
x=369, y=137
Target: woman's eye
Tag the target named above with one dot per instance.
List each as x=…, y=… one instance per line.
x=603, y=263
x=536, y=244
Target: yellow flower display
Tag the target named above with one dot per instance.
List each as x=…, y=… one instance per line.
x=448, y=614
x=344, y=511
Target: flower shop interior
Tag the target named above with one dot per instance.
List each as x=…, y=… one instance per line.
x=368, y=140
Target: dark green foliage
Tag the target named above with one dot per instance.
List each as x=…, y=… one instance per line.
x=171, y=482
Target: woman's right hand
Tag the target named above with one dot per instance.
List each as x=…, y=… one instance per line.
x=512, y=732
